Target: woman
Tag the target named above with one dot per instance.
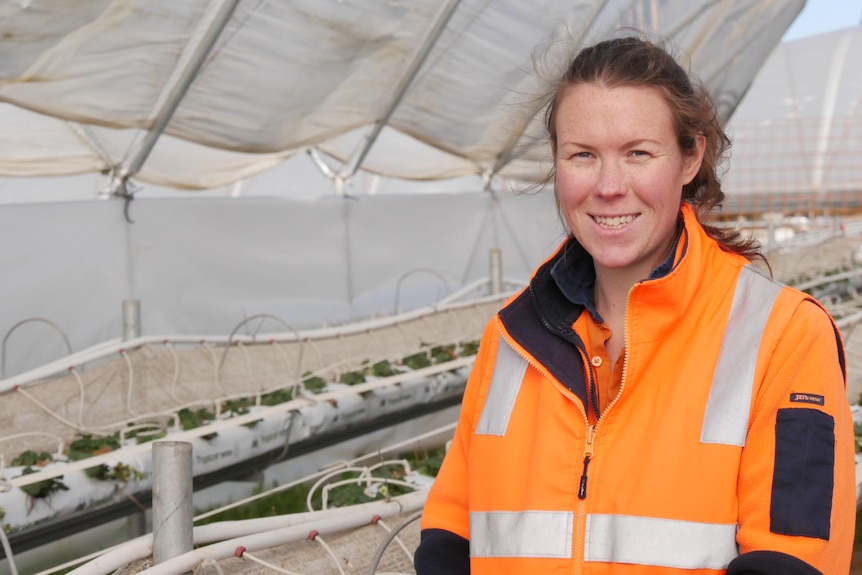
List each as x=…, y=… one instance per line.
x=651, y=403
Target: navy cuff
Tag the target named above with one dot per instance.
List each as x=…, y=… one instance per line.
x=442, y=552
x=769, y=563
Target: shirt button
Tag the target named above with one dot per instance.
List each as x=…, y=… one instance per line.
x=596, y=361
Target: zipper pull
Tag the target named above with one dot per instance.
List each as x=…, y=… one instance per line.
x=591, y=435
x=582, y=490
x=588, y=456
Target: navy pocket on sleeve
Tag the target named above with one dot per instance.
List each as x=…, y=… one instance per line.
x=804, y=474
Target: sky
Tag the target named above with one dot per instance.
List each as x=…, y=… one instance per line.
x=819, y=16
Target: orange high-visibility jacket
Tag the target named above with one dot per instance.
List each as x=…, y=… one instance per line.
x=728, y=449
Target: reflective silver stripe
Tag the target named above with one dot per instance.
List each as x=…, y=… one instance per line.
x=729, y=405
x=509, y=369
x=543, y=534
x=660, y=542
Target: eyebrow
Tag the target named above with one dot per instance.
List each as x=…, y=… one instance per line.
x=630, y=144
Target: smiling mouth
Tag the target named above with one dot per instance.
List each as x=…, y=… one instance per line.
x=615, y=222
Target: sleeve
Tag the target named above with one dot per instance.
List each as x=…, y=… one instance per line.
x=442, y=552
x=444, y=546
x=797, y=482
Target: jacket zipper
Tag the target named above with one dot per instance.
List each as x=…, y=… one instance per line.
x=580, y=517
x=626, y=340
x=591, y=430
x=579, y=526
x=588, y=457
x=592, y=400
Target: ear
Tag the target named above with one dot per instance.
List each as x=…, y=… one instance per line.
x=694, y=159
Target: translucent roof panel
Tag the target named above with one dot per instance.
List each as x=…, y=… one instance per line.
x=202, y=93
x=799, y=128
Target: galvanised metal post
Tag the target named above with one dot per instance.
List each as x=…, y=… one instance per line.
x=131, y=319
x=496, y=271
x=172, y=500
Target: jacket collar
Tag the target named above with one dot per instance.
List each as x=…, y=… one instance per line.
x=542, y=310
x=574, y=274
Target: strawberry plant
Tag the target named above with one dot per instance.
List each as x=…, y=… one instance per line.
x=417, y=360
x=352, y=377
x=313, y=384
x=276, y=397
x=43, y=488
x=30, y=457
x=383, y=369
x=194, y=419
x=86, y=446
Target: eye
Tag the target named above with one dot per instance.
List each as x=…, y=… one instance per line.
x=639, y=153
x=575, y=153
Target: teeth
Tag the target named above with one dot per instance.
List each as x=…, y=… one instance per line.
x=614, y=222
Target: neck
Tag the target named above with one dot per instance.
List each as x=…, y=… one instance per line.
x=611, y=291
x=613, y=285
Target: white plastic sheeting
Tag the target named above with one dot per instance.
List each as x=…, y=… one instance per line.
x=200, y=266
x=88, y=89
x=799, y=128
x=226, y=89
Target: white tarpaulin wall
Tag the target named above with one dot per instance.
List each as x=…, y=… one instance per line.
x=202, y=266
x=225, y=89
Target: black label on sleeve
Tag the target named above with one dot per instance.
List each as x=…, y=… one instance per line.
x=807, y=398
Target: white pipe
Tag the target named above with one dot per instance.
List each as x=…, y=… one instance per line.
x=13, y=569
x=112, y=558
x=115, y=557
x=292, y=527
x=124, y=453
x=108, y=348
x=409, y=443
x=449, y=301
x=348, y=519
x=849, y=321
x=827, y=279
x=232, y=529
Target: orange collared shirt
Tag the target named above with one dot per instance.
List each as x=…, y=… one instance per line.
x=608, y=376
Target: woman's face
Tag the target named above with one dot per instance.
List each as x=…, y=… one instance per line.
x=620, y=174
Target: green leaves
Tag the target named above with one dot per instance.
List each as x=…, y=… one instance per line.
x=42, y=488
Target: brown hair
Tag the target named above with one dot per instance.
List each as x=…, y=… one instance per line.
x=631, y=61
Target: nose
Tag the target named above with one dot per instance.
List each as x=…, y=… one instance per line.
x=610, y=180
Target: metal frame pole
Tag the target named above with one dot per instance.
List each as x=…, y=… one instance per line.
x=173, y=516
